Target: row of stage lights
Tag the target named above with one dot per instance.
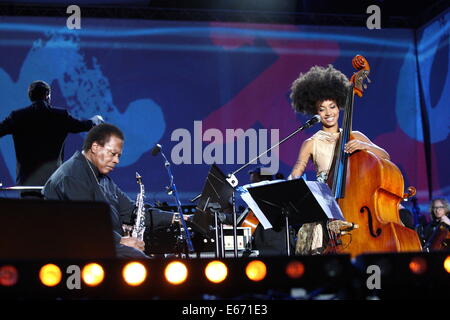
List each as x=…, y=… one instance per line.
x=234, y=274
x=135, y=273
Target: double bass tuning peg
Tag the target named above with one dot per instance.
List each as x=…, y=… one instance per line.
x=367, y=78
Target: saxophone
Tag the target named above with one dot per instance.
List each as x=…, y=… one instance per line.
x=138, y=229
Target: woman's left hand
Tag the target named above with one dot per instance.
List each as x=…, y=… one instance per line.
x=355, y=145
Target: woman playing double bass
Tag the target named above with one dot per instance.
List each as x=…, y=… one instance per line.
x=367, y=186
x=322, y=91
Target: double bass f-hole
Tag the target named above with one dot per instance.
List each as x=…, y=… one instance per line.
x=369, y=218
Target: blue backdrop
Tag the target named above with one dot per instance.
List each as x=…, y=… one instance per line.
x=157, y=80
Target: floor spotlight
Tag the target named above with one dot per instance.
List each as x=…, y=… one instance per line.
x=8, y=276
x=50, y=275
x=134, y=273
x=93, y=274
x=216, y=271
x=176, y=272
x=447, y=264
x=418, y=265
x=295, y=269
x=256, y=270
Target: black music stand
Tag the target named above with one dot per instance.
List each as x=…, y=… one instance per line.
x=288, y=202
x=214, y=198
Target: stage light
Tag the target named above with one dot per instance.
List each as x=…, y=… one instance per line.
x=333, y=268
x=50, y=275
x=216, y=271
x=295, y=269
x=8, y=276
x=134, y=273
x=93, y=274
x=447, y=264
x=176, y=272
x=256, y=270
x=418, y=265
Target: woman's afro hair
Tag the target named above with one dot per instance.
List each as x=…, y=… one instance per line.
x=317, y=85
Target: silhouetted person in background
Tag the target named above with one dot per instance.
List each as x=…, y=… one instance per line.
x=39, y=132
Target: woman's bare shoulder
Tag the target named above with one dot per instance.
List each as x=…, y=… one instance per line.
x=360, y=136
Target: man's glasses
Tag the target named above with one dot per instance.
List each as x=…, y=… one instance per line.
x=441, y=207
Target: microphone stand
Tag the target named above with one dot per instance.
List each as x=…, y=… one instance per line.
x=233, y=181
x=172, y=190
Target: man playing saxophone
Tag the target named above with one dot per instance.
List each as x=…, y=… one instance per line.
x=84, y=177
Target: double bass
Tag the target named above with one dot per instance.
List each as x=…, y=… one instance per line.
x=368, y=189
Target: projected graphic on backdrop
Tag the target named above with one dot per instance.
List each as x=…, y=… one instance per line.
x=152, y=78
x=86, y=92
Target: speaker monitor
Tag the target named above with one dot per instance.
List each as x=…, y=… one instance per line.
x=46, y=229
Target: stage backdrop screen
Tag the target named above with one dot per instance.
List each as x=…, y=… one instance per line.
x=213, y=92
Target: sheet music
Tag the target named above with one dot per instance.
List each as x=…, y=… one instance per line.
x=22, y=187
x=320, y=191
x=245, y=195
x=325, y=199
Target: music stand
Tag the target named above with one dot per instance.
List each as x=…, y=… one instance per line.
x=215, y=197
x=293, y=202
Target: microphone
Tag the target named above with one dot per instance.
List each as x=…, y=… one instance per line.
x=156, y=149
x=341, y=227
x=311, y=121
x=349, y=226
x=196, y=198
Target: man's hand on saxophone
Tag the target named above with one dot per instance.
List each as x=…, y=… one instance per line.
x=133, y=242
